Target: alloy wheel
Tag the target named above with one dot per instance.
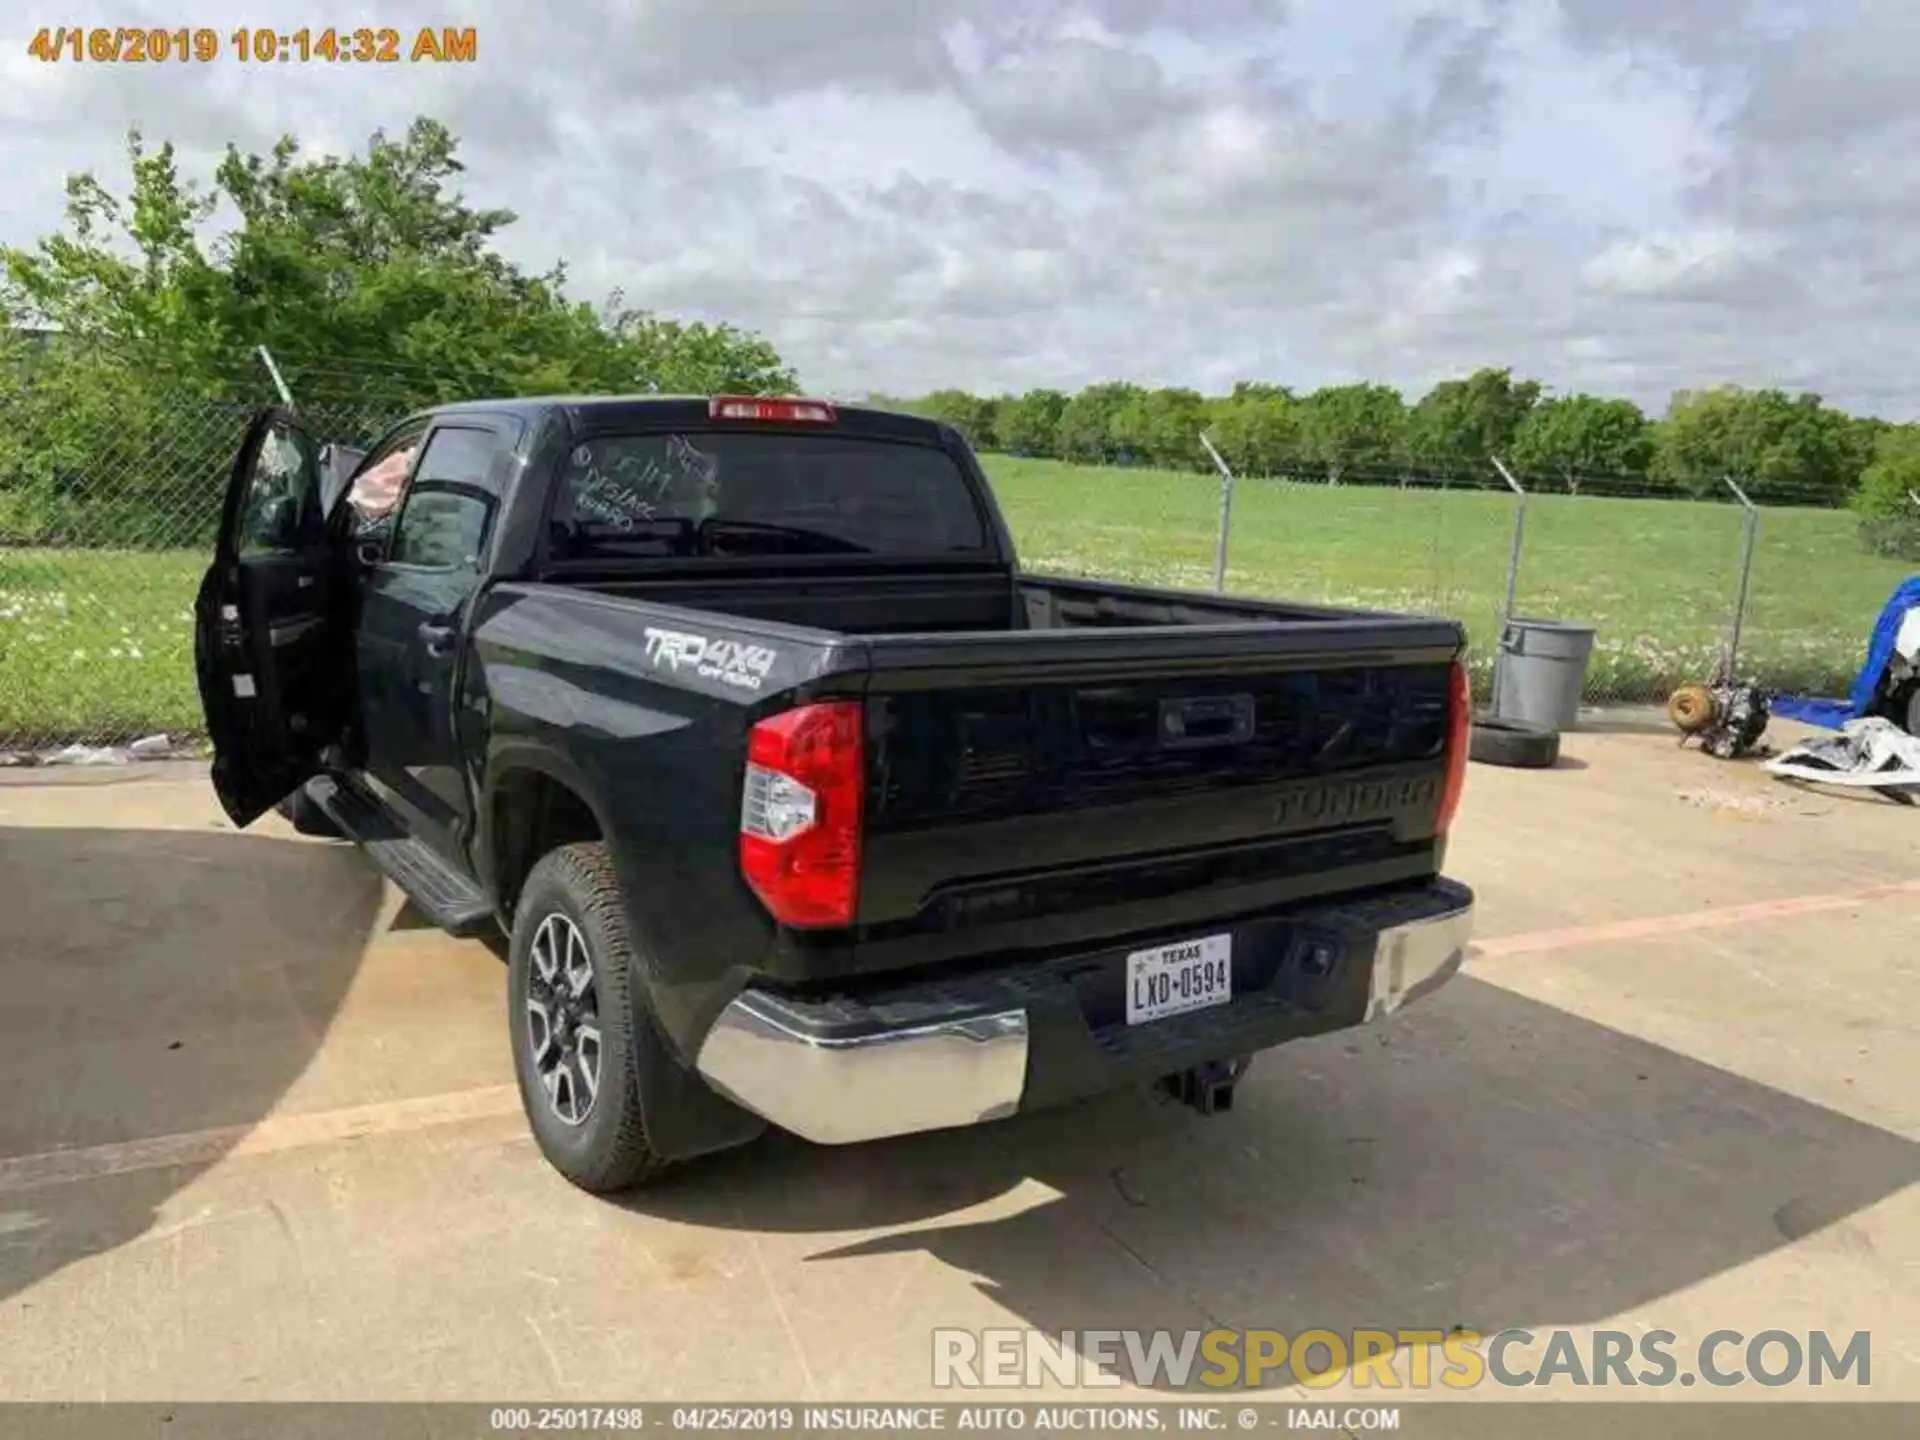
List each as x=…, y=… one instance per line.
x=563, y=1018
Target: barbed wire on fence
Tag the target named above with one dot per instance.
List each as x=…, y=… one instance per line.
x=1308, y=471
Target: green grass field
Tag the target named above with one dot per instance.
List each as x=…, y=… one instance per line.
x=1656, y=577
x=96, y=644
x=99, y=644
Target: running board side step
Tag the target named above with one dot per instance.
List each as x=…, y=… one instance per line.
x=448, y=898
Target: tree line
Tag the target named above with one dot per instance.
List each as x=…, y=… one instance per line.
x=1780, y=448
x=129, y=355
x=368, y=275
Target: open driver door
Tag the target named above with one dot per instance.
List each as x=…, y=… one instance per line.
x=268, y=641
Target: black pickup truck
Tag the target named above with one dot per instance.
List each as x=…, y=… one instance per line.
x=796, y=799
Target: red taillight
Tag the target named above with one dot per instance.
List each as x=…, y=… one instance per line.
x=1459, y=730
x=800, y=813
x=771, y=411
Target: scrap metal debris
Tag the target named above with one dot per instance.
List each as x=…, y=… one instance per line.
x=1727, y=719
x=1871, y=754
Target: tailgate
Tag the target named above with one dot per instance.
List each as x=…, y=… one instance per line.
x=1057, y=786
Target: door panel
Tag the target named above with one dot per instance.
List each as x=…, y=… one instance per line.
x=412, y=613
x=408, y=655
x=266, y=632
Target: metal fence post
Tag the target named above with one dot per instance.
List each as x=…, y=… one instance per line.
x=279, y=383
x=1513, y=566
x=1749, y=531
x=1226, y=516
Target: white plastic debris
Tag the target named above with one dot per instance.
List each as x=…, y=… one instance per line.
x=149, y=747
x=1869, y=754
x=85, y=755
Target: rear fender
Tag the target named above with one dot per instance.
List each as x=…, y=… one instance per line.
x=683, y=1116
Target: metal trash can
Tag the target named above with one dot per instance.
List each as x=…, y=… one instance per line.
x=1540, y=671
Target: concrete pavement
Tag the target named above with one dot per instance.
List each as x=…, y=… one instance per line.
x=260, y=1139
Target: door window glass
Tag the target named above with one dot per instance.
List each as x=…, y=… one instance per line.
x=376, y=486
x=280, y=511
x=448, y=506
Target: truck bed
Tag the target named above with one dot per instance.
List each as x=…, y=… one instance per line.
x=962, y=599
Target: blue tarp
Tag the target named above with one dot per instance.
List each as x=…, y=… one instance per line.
x=1832, y=714
x=1812, y=710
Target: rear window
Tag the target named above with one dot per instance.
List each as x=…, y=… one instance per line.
x=725, y=493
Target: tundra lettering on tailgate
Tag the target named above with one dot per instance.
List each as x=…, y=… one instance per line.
x=1354, y=802
x=743, y=666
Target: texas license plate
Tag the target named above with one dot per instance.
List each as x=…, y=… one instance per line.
x=1172, y=979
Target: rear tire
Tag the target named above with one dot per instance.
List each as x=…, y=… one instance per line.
x=1517, y=744
x=1911, y=720
x=569, y=960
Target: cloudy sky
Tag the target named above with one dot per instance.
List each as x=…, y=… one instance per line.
x=1619, y=195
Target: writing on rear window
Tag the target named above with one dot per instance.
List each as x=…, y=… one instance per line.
x=745, y=667
x=622, y=487
x=726, y=493
x=608, y=502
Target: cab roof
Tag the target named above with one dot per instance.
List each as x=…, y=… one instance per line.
x=599, y=414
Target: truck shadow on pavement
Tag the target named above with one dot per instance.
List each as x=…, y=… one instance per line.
x=157, y=983
x=1486, y=1161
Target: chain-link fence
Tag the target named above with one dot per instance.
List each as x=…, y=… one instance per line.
x=107, y=520
x=108, y=511
x=1656, y=574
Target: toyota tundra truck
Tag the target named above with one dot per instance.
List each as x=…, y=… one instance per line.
x=794, y=799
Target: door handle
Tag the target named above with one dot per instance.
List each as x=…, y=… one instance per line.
x=1204, y=721
x=439, y=638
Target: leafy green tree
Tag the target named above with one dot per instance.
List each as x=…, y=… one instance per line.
x=1086, y=424
x=128, y=272
x=1857, y=442
x=1460, y=423
x=647, y=353
x=369, y=277
x=1257, y=428
x=972, y=415
x=1162, y=427
x=371, y=280
x=1572, y=437
x=1888, y=500
x=1779, y=448
x=96, y=451
x=1030, y=423
x=1353, y=429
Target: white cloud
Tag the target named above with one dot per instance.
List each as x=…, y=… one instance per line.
x=1622, y=194
x=1710, y=263
x=1430, y=291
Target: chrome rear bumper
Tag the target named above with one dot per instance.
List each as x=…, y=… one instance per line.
x=864, y=1087
x=1412, y=961
x=869, y=1080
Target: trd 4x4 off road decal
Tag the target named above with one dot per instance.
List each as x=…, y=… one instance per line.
x=743, y=666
